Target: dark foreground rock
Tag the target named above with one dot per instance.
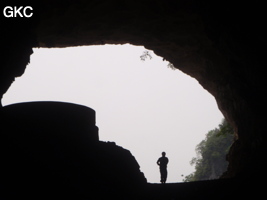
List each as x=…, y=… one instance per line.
x=51, y=150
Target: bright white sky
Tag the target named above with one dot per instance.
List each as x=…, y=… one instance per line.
x=143, y=106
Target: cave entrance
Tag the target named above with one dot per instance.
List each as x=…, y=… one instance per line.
x=143, y=106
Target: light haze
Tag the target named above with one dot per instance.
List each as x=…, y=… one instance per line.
x=143, y=106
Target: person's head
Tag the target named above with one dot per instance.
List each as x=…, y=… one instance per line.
x=163, y=154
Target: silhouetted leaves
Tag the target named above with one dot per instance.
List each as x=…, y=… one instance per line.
x=146, y=54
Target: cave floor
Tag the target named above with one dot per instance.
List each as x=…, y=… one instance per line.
x=212, y=189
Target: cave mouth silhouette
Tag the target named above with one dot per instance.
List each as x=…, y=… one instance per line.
x=222, y=45
x=66, y=83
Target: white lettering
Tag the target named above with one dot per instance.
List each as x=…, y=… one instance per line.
x=24, y=11
x=8, y=13
x=17, y=11
x=21, y=11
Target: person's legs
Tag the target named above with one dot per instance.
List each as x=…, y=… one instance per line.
x=163, y=173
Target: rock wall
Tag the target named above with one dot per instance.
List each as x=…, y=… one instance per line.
x=220, y=44
x=50, y=150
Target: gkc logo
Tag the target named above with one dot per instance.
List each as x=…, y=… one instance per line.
x=21, y=11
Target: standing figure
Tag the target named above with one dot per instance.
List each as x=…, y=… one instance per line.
x=162, y=162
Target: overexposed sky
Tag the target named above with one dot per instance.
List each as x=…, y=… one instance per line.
x=143, y=106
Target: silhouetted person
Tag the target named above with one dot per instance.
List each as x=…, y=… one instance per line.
x=162, y=162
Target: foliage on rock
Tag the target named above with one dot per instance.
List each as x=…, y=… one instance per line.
x=210, y=162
